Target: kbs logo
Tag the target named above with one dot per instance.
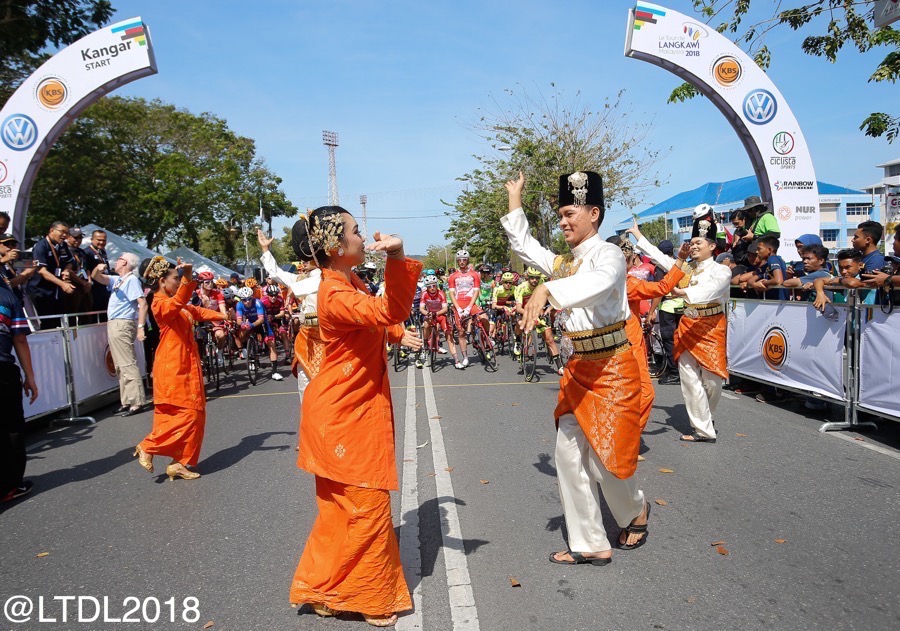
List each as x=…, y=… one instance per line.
x=51, y=93
x=109, y=363
x=727, y=71
x=784, y=213
x=760, y=107
x=783, y=143
x=775, y=348
x=18, y=132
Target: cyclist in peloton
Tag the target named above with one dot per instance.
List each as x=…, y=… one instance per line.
x=523, y=292
x=504, y=300
x=434, y=304
x=276, y=312
x=486, y=294
x=210, y=297
x=250, y=314
x=465, y=284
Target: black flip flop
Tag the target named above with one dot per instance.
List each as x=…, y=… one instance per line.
x=579, y=559
x=634, y=529
x=697, y=438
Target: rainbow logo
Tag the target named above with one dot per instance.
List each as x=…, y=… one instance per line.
x=132, y=30
x=646, y=14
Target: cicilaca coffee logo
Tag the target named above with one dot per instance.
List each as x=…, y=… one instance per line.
x=18, y=132
x=51, y=93
x=760, y=107
x=775, y=347
x=727, y=71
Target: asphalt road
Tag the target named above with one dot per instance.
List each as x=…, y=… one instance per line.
x=478, y=509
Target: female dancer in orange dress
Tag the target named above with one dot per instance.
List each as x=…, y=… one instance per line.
x=351, y=561
x=179, y=398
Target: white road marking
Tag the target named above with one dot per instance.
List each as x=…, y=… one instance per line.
x=409, y=511
x=462, y=600
x=730, y=396
x=863, y=443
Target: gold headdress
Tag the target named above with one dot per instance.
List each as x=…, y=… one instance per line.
x=326, y=235
x=157, y=269
x=579, y=181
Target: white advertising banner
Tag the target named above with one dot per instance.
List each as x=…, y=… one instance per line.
x=63, y=87
x=879, y=362
x=891, y=215
x=787, y=343
x=92, y=365
x=886, y=12
x=745, y=94
x=47, y=361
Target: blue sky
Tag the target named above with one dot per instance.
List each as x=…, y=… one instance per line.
x=399, y=80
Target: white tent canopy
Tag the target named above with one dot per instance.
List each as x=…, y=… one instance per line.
x=200, y=262
x=117, y=244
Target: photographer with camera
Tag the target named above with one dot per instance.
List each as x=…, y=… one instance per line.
x=13, y=271
x=888, y=277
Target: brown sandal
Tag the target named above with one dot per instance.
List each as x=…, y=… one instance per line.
x=381, y=621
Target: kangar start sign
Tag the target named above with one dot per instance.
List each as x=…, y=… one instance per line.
x=44, y=105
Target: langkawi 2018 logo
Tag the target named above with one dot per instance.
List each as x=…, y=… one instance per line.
x=774, y=348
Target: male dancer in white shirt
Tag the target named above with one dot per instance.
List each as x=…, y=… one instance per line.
x=597, y=413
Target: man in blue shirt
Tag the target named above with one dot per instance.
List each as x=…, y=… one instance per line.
x=13, y=332
x=772, y=270
x=866, y=239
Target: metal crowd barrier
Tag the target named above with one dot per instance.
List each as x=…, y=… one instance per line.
x=94, y=377
x=777, y=333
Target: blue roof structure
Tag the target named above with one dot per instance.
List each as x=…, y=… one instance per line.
x=724, y=193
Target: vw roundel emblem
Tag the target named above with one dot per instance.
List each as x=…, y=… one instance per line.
x=18, y=132
x=760, y=107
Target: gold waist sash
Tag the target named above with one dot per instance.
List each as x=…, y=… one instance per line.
x=599, y=343
x=694, y=311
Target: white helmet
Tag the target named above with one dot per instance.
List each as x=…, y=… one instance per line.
x=462, y=254
x=702, y=211
x=431, y=280
x=244, y=293
x=369, y=265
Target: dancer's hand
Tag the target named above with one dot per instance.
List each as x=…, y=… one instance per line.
x=264, y=241
x=390, y=244
x=411, y=340
x=532, y=311
x=515, y=188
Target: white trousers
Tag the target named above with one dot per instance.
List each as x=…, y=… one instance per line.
x=702, y=390
x=578, y=470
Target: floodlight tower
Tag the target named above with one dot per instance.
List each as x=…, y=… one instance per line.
x=330, y=140
x=362, y=202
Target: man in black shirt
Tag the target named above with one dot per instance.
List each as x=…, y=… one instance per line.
x=50, y=283
x=9, y=253
x=94, y=255
x=80, y=300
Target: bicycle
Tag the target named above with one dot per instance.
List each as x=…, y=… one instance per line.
x=528, y=353
x=656, y=354
x=231, y=350
x=502, y=337
x=482, y=342
x=433, y=342
x=251, y=348
x=211, y=357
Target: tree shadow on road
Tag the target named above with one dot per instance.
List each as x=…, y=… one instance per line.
x=232, y=455
x=431, y=518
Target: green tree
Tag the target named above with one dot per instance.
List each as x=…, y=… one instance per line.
x=655, y=230
x=28, y=27
x=155, y=173
x=544, y=137
x=848, y=22
x=437, y=256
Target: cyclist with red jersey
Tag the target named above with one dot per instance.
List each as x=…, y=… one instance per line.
x=209, y=296
x=465, y=284
x=434, y=307
x=273, y=303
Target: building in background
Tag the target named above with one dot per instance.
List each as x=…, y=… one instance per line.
x=841, y=209
x=888, y=192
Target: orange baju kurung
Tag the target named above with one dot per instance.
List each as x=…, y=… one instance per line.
x=639, y=290
x=179, y=397
x=351, y=561
x=704, y=338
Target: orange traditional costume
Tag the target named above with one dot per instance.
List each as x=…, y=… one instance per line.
x=598, y=409
x=351, y=561
x=637, y=291
x=179, y=396
x=700, y=337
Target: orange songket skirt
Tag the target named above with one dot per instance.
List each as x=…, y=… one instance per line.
x=177, y=433
x=704, y=339
x=351, y=561
x=309, y=349
x=604, y=395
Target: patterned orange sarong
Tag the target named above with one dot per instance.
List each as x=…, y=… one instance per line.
x=309, y=349
x=604, y=395
x=704, y=339
x=351, y=561
x=639, y=350
x=177, y=433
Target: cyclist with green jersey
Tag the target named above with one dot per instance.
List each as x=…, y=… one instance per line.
x=486, y=293
x=503, y=299
x=523, y=292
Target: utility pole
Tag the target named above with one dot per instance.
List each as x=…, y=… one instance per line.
x=330, y=140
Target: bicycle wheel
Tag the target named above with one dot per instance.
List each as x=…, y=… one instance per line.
x=485, y=348
x=213, y=359
x=252, y=358
x=656, y=355
x=529, y=354
x=396, y=353
x=434, y=341
x=230, y=351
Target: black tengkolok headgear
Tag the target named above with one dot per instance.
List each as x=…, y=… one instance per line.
x=582, y=188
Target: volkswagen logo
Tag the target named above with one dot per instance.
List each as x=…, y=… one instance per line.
x=760, y=107
x=19, y=132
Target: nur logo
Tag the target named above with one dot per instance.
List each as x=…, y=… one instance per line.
x=18, y=132
x=760, y=107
